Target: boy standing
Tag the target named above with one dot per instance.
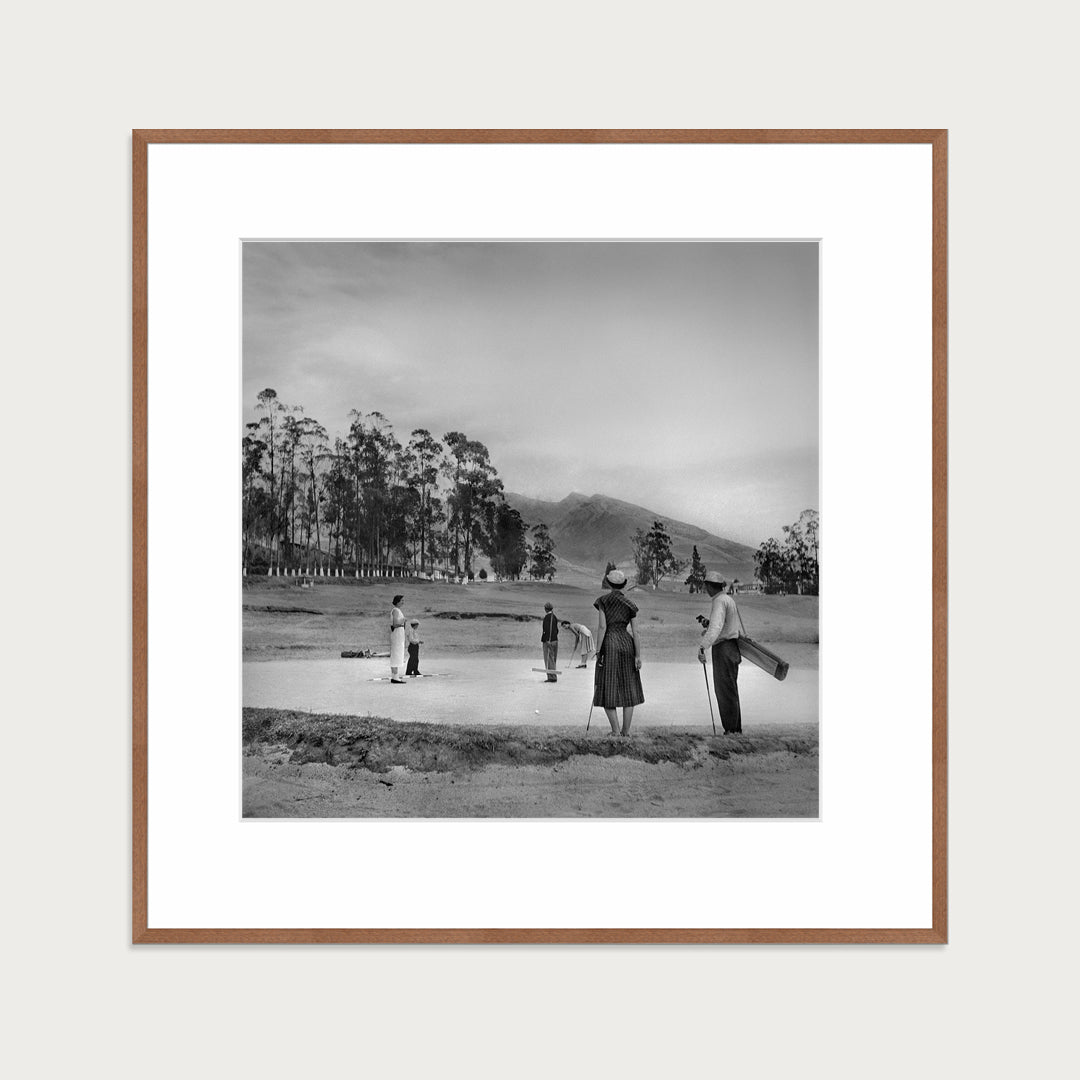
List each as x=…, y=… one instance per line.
x=413, y=641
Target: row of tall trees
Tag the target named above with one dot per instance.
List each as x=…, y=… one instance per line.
x=791, y=565
x=369, y=500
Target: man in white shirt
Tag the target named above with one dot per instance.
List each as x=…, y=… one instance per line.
x=722, y=636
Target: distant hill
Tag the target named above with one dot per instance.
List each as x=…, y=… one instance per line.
x=591, y=530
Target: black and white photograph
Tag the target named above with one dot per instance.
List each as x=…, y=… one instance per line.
x=530, y=529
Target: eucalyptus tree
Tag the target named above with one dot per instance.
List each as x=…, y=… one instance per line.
x=253, y=496
x=696, y=579
x=653, y=555
x=509, y=547
x=543, y=553
x=802, y=548
x=354, y=445
x=425, y=455
x=335, y=485
x=439, y=546
x=772, y=565
x=313, y=451
x=269, y=426
x=454, y=470
x=476, y=488
x=290, y=487
x=377, y=458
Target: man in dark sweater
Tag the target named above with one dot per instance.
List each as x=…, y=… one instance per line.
x=549, y=639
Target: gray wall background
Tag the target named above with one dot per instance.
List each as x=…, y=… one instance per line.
x=993, y=1002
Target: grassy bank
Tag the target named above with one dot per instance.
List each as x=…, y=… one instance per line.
x=378, y=745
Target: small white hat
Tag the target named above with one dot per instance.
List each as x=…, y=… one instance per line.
x=616, y=578
x=714, y=577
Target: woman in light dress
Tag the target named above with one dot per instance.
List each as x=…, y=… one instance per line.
x=397, y=641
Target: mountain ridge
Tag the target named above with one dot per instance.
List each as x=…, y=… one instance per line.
x=591, y=530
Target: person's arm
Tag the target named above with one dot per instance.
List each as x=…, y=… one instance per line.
x=632, y=627
x=601, y=628
x=716, y=624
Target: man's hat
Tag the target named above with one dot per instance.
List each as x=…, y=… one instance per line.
x=615, y=578
x=548, y=607
x=414, y=622
x=714, y=577
x=399, y=598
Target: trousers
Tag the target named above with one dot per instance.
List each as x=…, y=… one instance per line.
x=413, y=666
x=551, y=658
x=726, y=659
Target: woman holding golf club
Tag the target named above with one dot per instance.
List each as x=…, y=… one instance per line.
x=617, y=682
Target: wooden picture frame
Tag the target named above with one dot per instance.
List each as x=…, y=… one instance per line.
x=142, y=853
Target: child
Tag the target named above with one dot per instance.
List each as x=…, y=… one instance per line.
x=412, y=639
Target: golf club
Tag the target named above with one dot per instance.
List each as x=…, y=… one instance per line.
x=708, y=694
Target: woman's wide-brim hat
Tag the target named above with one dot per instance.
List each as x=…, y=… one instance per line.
x=615, y=578
x=399, y=598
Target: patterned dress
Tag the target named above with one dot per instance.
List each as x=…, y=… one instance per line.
x=617, y=681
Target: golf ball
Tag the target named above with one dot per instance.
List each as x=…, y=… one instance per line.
x=537, y=711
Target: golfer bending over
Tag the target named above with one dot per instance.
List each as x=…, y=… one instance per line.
x=722, y=635
x=617, y=681
x=583, y=640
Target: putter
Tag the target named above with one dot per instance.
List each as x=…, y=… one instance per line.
x=708, y=694
x=589, y=721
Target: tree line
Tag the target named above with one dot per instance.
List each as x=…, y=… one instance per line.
x=791, y=565
x=369, y=502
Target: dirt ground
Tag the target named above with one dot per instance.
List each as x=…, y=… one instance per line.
x=304, y=765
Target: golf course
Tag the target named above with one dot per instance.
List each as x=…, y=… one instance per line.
x=483, y=734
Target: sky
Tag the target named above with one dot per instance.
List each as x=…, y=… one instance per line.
x=682, y=377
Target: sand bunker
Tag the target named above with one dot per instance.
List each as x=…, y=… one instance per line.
x=275, y=609
x=490, y=689
x=507, y=616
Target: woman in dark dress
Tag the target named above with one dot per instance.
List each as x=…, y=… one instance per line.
x=617, y=682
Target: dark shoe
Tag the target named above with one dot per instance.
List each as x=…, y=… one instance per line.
x=402, y=681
